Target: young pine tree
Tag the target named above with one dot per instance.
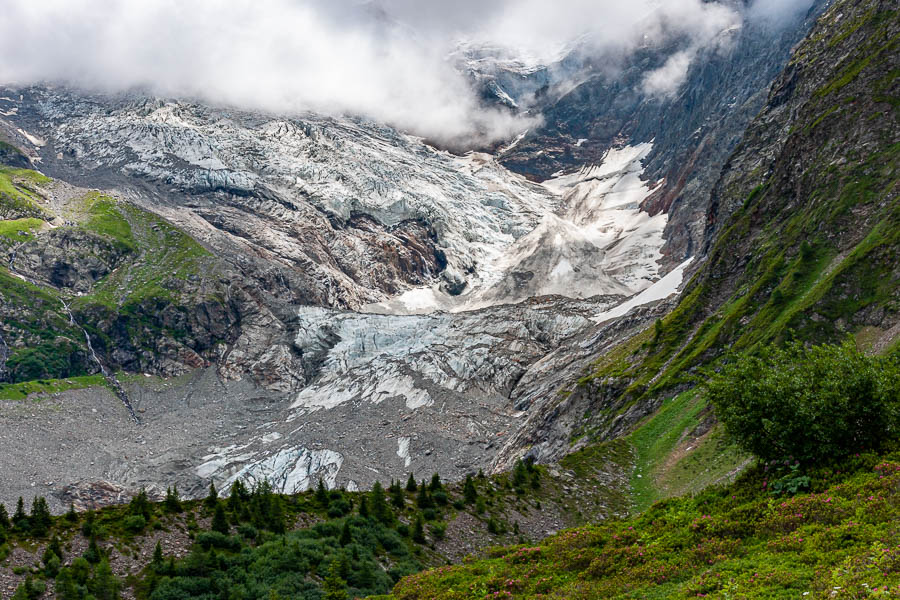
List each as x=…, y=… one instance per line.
x=4, y=517
x=411, y=484
x=40, y=520
x=219, y=521
x=20, y=518
x=436, y=483
x=212, y=499
x=418, y=532
x=322, y=494
x=334, y=586
x=104, y=585
x=157, y=562
x=470, y=494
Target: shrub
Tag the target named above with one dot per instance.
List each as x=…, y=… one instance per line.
x=135, y=523
x=816, y=404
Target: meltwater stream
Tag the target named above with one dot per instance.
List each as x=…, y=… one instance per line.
x=108, y=375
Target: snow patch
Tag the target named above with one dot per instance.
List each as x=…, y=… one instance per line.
x=660, y=290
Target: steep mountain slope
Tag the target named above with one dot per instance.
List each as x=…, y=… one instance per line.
x=694, y=127
x=803, y=233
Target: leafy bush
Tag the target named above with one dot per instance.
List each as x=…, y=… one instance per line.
x=135, y=523
x=816, y=404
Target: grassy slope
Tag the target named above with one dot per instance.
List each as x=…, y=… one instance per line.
x=729, y=542
x=159, y=259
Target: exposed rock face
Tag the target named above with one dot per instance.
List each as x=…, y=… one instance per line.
x=67, y=259
x=693, y=130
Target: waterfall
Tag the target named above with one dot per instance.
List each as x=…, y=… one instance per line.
x=108, y=375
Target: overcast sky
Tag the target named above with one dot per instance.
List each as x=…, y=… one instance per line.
x=334, y=56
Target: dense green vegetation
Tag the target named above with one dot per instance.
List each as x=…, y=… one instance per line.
x=19, y=197
x=740, y=541
x=39, y=387
x=813, y=404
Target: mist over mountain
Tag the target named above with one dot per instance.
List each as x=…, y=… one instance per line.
x=383, y=60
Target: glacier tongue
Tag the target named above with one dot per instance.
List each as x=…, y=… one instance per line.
x=597, y=241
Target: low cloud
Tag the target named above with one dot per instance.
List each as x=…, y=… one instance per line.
x=384, y=60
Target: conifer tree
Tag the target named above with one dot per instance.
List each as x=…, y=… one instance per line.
x=334, y=586
x=212, y=499
x=398, y=499
x=20, y=519
x=220, y=522
x=104, y=585
x=172, y=502
x=470, y=494
x=436, y=483
x=40, y=520
x=363, y=507
x=276, y=514
x=88, y=528
x=4, y=517
x=65, y=586
x=93, y=554
x=418, y=532
x=322, y=494
x=236, y=499
x=72, y=516
x=411, y=484
x=157, y=562
x=379, y=506
x=140, y=505
x=346, y=535
x=424, y=500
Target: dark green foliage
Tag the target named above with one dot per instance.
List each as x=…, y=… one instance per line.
x=470, y=493
x=364, y=507
x=411, y=484
x=20, y=519
x=322, y=494
x=172, y=502
x=4, y=517
x=418, y=531
x=134, y=523
x=480, y=505
x=212, y=498
x=89, y=527
x=334, y=586
x=219, y=521
x=815, y=404
x=29, y=590
x=436, y=483
x=93, y=554
x=438, y=530
x=140, y=506
x=379, y=506
x=398, y=498
x=71, y=515
x=104, y=585
x=40, y=519
x=424, y=499
x=157, y=561
x=346, y=536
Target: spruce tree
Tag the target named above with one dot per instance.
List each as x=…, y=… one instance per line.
x=411, y=484
x=140, y=505
x=470, y=494
x=65, y=587
x=235, y=499
x=424, y=500
x=104, y=585
x=20, y=519
x=322, y=494
x=72, y=516
x=88, y=528
x=172, y=502
x=398, y=499
x=346, y=535
x=363, y=507
x=334, y=586
x=276, y=514
x=379, y=506
x=40, y=520
x=418, y=533
x=212, y=499
x=157, y=562
x=93, y=554
x=220, y=522
x=4, y=517
x=436, y=483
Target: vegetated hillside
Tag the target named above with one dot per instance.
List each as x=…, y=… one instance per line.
x=78, y=262
x=257, y=544
x=804, y=235
x=840, y=541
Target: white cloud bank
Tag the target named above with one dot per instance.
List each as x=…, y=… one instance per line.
x=386, y=61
